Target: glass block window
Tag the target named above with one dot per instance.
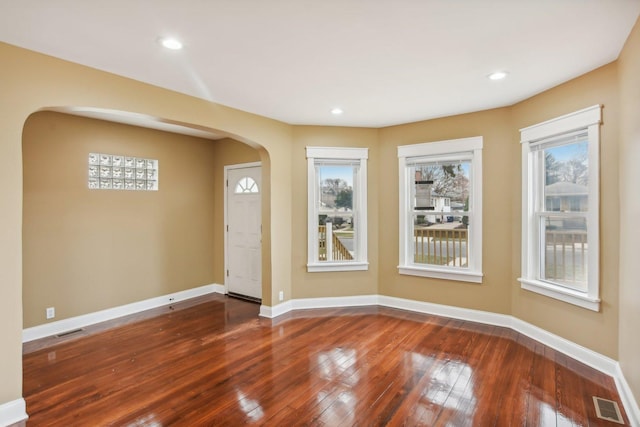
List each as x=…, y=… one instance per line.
x=113, y=172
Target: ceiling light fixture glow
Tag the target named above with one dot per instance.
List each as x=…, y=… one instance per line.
x=171, y=43
x=337, y=111
x=498, y=75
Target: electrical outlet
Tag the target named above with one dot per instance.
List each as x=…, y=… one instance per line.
x=51, y=312
x=281, y=296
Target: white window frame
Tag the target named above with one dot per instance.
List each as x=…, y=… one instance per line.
x=349, y=156
x=471, y=148
x=588, y=119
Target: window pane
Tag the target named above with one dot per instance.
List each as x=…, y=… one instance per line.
x=440, y=240
x=565, y=250
x=336, y=212
x=566, y=171
x=246, y=185
x=441, y=186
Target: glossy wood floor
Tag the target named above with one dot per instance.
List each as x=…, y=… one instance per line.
x=212, y=361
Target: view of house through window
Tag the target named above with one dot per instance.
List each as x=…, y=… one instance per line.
x=566, y=175
x=440, y=212
x=335, y=213
x=560, y=208
x=441, y=209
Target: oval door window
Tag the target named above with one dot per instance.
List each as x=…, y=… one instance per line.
x=246, y=185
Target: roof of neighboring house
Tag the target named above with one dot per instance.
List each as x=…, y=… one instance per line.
x=562, y=188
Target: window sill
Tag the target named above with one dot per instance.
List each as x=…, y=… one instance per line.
x=337, y=266
x=461, y=276
x=570, y=296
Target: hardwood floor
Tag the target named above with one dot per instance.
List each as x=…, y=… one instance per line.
x=213, y=361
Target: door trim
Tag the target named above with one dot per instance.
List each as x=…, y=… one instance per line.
x=225, y=185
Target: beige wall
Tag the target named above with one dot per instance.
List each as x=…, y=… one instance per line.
x=629, y=347
x=310, y=285
x=597, y=331
x=84, y=250
x=30, y=82
x=498, y=171
x=500, y=292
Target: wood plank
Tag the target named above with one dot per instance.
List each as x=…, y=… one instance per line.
x=541, y=404
x=213, y=361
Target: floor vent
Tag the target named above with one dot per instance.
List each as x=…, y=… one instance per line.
x=66, y=334
x=607, y=410
x=245, y=297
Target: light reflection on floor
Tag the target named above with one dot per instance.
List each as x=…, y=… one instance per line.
x=250, y=407
x=339, y=367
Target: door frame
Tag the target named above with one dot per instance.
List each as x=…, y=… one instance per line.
x=225, y=184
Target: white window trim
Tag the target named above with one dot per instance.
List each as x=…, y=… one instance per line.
x=590, y=119
x=360, y=200
x=473, y=273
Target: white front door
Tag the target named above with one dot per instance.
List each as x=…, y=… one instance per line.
x=244, y=230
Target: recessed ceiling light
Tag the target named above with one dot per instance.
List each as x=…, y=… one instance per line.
x=498, y=75
x=337, y=111
x=171, y=43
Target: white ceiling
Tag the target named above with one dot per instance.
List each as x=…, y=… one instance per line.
x=384, y=62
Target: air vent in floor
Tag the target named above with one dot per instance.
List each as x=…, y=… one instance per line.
x=607, y=410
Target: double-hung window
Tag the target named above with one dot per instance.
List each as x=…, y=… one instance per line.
x=441, y=209
x=337, y=209
x=560, y=203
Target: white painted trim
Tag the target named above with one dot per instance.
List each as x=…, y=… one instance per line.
x=330, y=302
x=307, y=303
x=13, y=412
x=276, y=310
x=581, y=299
x=226, y=221
x=588, y=357
x=360, y=208
x=472, y=147
x=582, y=354
x=441, y=147
x=449, y=274
x=57, y=327
x=532, y=203
x=626, y=395
x=567, y=123
x=337, y=153
x=337, y=266
x=485, y=317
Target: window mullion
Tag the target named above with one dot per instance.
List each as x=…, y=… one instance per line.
x=440, y=176
x=560, y=208
x=347, y=167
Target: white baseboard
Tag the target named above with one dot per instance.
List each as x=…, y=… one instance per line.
x=304, y=303
x=628, y=399
x=350, y=301
x=77, y=322
x=13, y=412
x=445, y=310
x=582, y=354
x=589, y=357
x=276, y=310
